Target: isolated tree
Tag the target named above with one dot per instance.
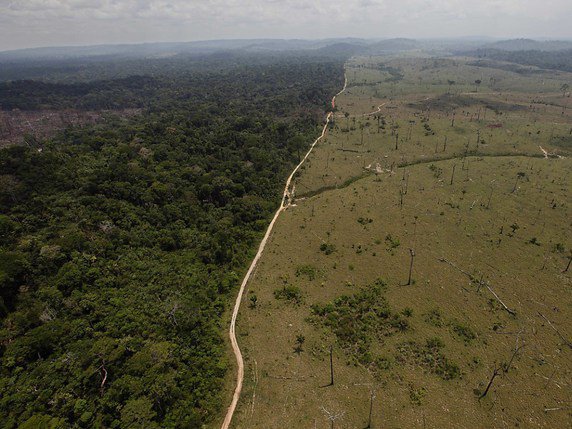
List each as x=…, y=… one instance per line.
x=253, y=301
x=564, y=88
x=569, y=262
x=300, y=339
x=371, y=398
x=519, y=176
x=495, y=373
x=450, y=83
x=297, y=143
x=412, y=254
x=331, y=365
x=490, y=195
x=477, y=84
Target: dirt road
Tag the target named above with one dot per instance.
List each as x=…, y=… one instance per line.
x=287, y=198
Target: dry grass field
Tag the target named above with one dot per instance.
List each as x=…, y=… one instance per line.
x=425, y=254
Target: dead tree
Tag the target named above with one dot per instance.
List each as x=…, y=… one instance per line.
x=333, y=416
x=412, y=253
x=490, y=196
x=517, y=349
x=568, y=265
x=495, y=373
x=453, y=174
x=331, y=366
x=371, y=398
x=485, y=284
x=103, y=372
x=562, y=337
x=519, y=176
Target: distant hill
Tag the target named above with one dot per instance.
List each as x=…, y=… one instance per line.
x=154, y=50
x=530, y=45
x=394, y=45
x=343, y=48
x=553, y=60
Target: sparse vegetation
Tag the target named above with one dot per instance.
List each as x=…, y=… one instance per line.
x=434, y=317
x=357, y=319
x=457, y=204
x=463, y=331
x=308, y=271
x=429, y=356
x=290, y=293
x=327, y=248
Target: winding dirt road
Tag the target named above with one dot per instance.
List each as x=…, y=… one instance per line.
x=287, y=198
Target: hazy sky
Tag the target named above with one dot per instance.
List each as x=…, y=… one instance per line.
x=30, y=23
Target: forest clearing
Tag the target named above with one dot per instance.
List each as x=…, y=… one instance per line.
x=421, y=277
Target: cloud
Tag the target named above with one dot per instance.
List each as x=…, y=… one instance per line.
x=50, y=22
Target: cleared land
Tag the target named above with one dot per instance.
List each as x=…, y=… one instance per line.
x=468, y=169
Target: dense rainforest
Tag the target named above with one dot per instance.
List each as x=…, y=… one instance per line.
x=122, y=243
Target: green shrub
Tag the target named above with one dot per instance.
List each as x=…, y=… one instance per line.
x=463, y=331
x=392, y=243
x=327, y=248
x=434, y=317
x=357, y=320
x=428, y=356
x=289, y=293
x=308, y=271
x=416, y=395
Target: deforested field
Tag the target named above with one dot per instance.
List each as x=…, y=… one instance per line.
x=425, y=258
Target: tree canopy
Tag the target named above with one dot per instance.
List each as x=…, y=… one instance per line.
x=121, y=243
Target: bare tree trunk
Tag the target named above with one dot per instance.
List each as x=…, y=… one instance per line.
x=568, y=266
x=490, y=196
x=514, y=187
x=495, y=373
x=104, y=375
x=371, y=398
x=568, y=343
x=412, y=253
x=332, y=368
x=453, y=174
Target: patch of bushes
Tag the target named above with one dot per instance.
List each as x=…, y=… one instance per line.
x=327, y=248
x=364, y=220
x=289, y=293
x=416, y=395
x=392, y=243
x=463, y=331
x=437, y=172
x=359, y=319
x=434, y=318
x=308, y=271
x=430, y=357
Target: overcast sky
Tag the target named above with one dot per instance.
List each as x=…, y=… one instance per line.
x=31, y=23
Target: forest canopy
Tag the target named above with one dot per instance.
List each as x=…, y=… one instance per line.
x=122, y=242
